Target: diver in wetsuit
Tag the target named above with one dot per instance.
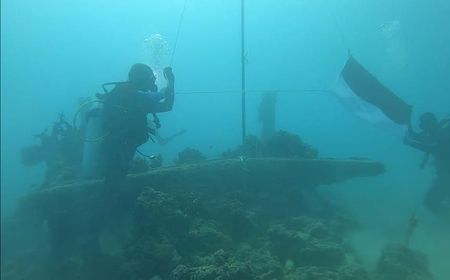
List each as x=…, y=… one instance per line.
x=434, y=140
x=125, y=117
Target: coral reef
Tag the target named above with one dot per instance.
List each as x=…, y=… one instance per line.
x=284, y=144
x=280, y=144
x=193, y=234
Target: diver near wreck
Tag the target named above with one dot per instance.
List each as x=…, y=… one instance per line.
x=434, y=140
x=124, y=117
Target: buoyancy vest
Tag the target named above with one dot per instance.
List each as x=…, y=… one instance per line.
x=123, y=116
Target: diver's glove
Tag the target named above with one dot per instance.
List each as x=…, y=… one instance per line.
x=168, y=74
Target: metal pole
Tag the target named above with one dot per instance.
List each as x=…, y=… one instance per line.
x=243, y=68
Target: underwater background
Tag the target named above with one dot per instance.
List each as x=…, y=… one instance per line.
x=55, y=52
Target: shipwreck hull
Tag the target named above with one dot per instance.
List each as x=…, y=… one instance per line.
x=214, y=175
x=162, y=221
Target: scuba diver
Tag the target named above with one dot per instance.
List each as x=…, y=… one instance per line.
x=434, y=140
x=124, y=118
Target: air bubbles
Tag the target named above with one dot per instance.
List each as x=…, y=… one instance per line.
x=156, y=50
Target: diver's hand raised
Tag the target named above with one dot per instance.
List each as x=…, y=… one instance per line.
x=168, y=74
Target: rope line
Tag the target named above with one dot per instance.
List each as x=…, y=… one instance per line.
x=178, y=31
x=340, y=31
x=304, y=91
x=341, y=34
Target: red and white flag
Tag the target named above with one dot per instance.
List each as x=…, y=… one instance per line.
x=367, y=98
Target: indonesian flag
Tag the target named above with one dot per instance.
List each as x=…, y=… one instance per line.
x=368, y=98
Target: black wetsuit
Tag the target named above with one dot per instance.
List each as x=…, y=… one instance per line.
x=125, y=119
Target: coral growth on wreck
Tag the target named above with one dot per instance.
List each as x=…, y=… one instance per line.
x=219, y=220
x=189, y=155
x=186, y=236
x=194, y=231
x=280, y=144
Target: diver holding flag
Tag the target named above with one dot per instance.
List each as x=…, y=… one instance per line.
x=369, y=99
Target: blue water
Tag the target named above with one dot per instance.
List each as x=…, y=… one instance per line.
x=56, y=52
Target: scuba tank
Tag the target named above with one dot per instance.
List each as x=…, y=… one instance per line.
x=92, y=131
x=93, y=134
x=90, y=115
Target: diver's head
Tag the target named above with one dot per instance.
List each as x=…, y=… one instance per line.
x=141, y=76
x=428, y=122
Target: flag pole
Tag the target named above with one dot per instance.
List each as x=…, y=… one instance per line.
x=243, y=69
